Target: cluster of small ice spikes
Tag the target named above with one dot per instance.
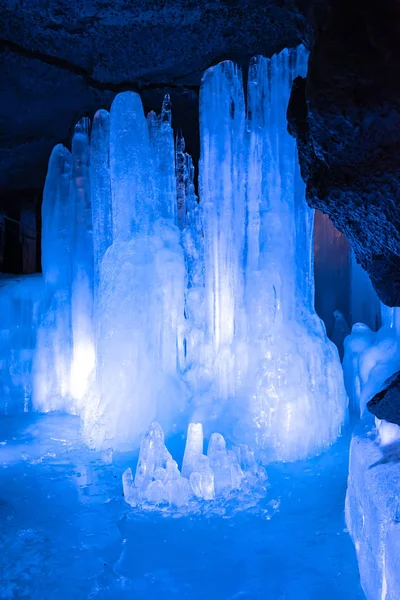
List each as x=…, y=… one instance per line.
x=205, y=482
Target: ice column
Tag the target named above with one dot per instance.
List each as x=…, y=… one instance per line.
x=83, y=353
x=100, y=186
x=269, y=353
x=141, y=286
x=190, y=219
x=222, y=194
x=298, y=404
x=52, y=360
x=162, y=143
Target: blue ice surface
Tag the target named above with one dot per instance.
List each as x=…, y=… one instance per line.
x=66, y=532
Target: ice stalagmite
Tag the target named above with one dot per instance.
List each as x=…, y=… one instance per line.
x=83, y=353
x=141, y=290
x=52, y=361
x=100, y=185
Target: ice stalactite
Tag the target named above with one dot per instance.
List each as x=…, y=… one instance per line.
x=163, y=151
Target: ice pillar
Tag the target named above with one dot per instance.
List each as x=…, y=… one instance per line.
x=222, y=194
x=270, y=354
x=100, y=186
x=141, y=284
x=52, y=360
x=83, y=353
x=298, y=403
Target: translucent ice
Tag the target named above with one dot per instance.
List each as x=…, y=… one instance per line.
x=140, y=310
x=52, y=362
x=265, y=352
x=83, y=352
x=193, y=448
x=158, y=480
x=100, y=186
x=20, y=301
x=372, y=508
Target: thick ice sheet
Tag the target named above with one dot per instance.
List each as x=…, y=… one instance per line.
x=372, y=511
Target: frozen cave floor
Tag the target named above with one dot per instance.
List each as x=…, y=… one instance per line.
x=66, y=531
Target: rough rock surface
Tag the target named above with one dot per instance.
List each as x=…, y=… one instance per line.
x=63, y=60
x=386, y=404
x=346, y=118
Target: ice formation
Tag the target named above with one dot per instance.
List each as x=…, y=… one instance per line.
x=258, y=270
x=371, y=357
x=372, y=508
x=158, y=305
x=212, y=476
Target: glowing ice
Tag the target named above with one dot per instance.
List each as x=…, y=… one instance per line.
x=52, y=362
x=140, y=312
x=162, y=306
x=266, y=352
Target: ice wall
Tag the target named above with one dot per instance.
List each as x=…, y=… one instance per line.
x=20, y=299
x=83, y=351
x=372, y=512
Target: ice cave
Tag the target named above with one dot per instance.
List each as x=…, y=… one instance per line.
x=199, y=346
